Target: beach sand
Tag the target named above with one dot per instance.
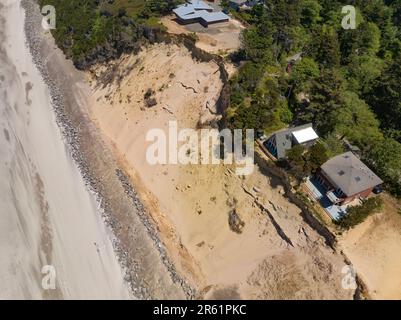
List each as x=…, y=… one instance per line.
x=147, y=270
x=47, y=215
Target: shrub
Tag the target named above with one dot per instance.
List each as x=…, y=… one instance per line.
x=318, y=154
x=358, y=214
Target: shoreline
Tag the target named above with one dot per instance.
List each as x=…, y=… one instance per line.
x=73, y=138
x=49, y=220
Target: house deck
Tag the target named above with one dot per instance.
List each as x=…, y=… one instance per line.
x=318, y=192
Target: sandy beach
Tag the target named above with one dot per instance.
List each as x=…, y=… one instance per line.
x=47, y=215
x=142, y=259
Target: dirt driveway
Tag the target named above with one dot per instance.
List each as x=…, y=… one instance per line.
x=220, y=38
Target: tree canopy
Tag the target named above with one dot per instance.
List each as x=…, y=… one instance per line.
x=349, y=80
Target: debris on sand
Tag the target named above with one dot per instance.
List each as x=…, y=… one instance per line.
x=150, y=101
x=235, y=222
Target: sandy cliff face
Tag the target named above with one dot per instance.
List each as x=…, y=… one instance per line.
x=276, y=254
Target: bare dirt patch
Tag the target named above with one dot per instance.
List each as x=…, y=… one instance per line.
x=374, y=249
x=220, y=38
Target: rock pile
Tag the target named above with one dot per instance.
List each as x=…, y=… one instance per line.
x=35, y=36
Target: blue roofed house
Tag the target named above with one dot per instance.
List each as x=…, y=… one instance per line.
x=197, y=11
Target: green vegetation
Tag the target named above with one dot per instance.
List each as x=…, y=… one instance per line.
x=96, y=30
x=358, y=214
x=347, y=82
x=304, y=162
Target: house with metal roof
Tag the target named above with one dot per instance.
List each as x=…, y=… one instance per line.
x=197, y=11
x=282, y=141
x=346, y=178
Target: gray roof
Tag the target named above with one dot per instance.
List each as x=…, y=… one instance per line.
x=191, y=7
x=214, y=16
x=200, y=5
x=184, y=10
x=350, y=174
x=284, y=139
x=283, y=143
x=239, y=2
x=198, y=10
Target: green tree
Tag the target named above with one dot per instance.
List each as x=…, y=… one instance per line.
x=310, y=13
x=362, y=71
x=357, y=43
x=304, y=70
x=357, y=122
x=317, y=155
x=385, y=96
x=256, y=45
x=329, y=48
x=325, y=100
x=334, y=146
x=296, y=160
x=159, y=7
x=385, y=158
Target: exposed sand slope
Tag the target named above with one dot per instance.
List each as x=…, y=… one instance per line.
x=47, y=216
x=190, y=204
x=374, y=248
